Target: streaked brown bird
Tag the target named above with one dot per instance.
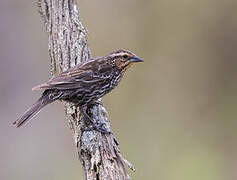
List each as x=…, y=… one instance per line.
x=83, y=84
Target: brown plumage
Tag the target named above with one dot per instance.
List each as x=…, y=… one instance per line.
x=83, y=84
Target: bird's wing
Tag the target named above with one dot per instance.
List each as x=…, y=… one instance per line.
x=79, y=76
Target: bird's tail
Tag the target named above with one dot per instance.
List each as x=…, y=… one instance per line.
x=32, y=111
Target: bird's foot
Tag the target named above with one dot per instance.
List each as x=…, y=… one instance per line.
x=94, y=126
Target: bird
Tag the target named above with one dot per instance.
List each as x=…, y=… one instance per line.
x=83, y=84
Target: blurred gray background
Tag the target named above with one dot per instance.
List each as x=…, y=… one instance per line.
x=174, y=115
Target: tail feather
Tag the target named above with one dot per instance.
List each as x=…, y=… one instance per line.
x=32, y=111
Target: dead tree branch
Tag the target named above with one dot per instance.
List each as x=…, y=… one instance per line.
x=99, y=154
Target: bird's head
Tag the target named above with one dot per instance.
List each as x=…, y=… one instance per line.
x=123, y=59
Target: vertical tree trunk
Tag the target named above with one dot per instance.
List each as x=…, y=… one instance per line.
x=99, y=154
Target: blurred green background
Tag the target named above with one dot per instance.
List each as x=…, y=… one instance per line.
x=174, y=115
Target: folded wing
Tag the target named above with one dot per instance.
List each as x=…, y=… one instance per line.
x=77, y=77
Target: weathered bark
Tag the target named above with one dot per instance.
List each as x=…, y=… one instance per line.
x=99, y=154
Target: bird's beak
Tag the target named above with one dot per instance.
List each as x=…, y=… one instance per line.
x=136, y=59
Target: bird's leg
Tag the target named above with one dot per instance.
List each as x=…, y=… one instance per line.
x=83, y=111
x=95, y=126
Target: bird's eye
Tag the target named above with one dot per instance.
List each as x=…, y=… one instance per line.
x=125, y=56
